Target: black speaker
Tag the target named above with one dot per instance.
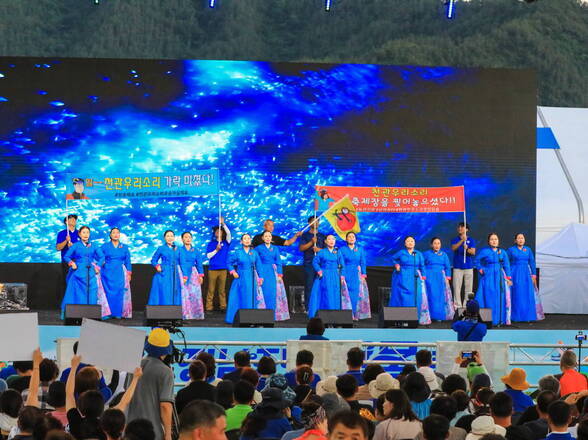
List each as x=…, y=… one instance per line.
x=75, y=312
x=254, y=318
x=485, y=314
x=398, y=317
x=163, y=316
x=336, y=318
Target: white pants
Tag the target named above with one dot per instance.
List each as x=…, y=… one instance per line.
x=462, y=276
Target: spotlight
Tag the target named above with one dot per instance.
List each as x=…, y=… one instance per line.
x=96, y=2
x=450, y=9
x=328, y=5
x=211, y=3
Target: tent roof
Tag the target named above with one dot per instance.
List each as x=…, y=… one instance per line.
x=570, y=242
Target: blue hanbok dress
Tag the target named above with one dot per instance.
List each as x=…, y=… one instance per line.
x=166, y=285
x=493, y=290
x=408, y=288
x=326, y=290
x=191, y=272
x=82, y=282
x=114, y=278
x=274, y=291
x=525, y=302
x=245, y=291
x=439, y=294
x=354, y=285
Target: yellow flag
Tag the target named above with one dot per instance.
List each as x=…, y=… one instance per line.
x=343, y=217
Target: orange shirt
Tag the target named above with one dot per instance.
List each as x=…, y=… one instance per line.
x=572, y=382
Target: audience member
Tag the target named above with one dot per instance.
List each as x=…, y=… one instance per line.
x=269, y=418
x=462, y=401
x=314, y=424
x=382, y=383
x=241, y=359
x=224, y=393
x=303, y=389
x=406, y=370
x=56, y=399
x=333, y=403
x=539, y=427
x=400, y=421
x=112, y=422
x=347, y=425
x=103, y=388
x=202, y=420
x=20, y=380
x=559, y=416
x=355, y=357
x=484, y=425
x=370, y=372
x=197, y=389
x=452, y=383
x=571, y=381
x=492, y=437
x=516, y=383
x=210, y=363
x=243, y=396
x=279, y=381
x=346, y=385
x=424, y=359
x=57, y=434
x=10, y=406
x=155, y=393
x=328, y=385
x=481, y=404
x=379, y=408
x=315, y=329
x=303, y=357
x=430, y=377
x=501, y=410
x=469, y=327
x=139, y=429
x=418, y=393
x=480, y=381
x=446, y=406
x=31, y=424
x=582, y=431
x=436, y=427
x=265, y=368
x=48, y=372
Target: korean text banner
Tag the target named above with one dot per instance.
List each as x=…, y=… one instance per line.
x=130, y=186
x=394, y=199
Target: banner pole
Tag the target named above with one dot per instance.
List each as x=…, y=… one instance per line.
x=66, y=214
x=465, y=223
x=220, y=232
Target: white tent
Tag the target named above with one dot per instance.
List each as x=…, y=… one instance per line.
x=563, y=262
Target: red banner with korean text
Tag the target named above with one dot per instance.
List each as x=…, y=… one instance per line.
x=394, y=199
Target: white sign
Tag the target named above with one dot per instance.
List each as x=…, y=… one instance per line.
x=111, y=346
x=19, y=336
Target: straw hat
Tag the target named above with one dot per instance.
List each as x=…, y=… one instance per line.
x=382, y=383
x=328, y=385
x=483, y=425
x=516, y=379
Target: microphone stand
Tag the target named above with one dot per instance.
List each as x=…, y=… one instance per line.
x=174, y=273
x=414, y=269
x=340, y=271
x=502, y=281
x=88, y=266
x=253, y=280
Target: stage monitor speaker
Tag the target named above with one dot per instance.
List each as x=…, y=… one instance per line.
x=163, y=316
x=398, y=317
x=254, y=318
x=336, y=318
x=75, y=312
x=485, y=314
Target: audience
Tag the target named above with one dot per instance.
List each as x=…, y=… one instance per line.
x=315, y=328
x=446, y=407
x=400, y=421
x=303, y=389
x=314, y=424
x=243, y=397
x=269, y=418
x=224, y=393
x=571, y=381
x=202, y=420
x=418, y=393
x=346, y=386
x=347, y=425
x=539, y=427
x=10, y=406
x=303, y=358
x=452, y=383
x=56, y=399
x=265, y=368
x=516, y=383
x=139, y=429
x=501, y=410
x=484, y=425
x=559, y=416
x=381, y=384
x=198, y=389
x=210, y=363
x=355, y=357
x=424, y=360
x=370, y=373
x=20, y=380
x=241, y=360
x=436, y=427
x=582, y=431
x=112, y=423
x=462, y=402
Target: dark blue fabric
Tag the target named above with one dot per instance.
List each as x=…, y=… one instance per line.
x=291, y=378
x=458, y=254
x=313, y=338
x=221, y=259
x=520, y=400
x=358, y=376
x=463, y=327
x=559, y=436
x=61, y=235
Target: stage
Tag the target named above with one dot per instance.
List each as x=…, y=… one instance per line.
x=298, y=320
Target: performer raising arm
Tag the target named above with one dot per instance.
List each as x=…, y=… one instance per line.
x=217, y=253
x=268, y=226
x=192, y=274
x=165, y=287
x=116, y=276
x=463, y=272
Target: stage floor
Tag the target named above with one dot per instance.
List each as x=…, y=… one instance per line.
x=216, y=319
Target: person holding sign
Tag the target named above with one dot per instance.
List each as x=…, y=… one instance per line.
x=326, y=290
x=84, y=262
x=408, y=278
x=66, y=239
x=217, y=253
x=438, y=270
x=464, y=251
x=494, y=286
x=116, y=276
x=270, y=269
x=166, y=284
x=354, y=275
x=526, y=304
x=192, y=274
x=246, y=290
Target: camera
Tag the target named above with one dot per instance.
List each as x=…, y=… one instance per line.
x=177, y=355
x=581, y=336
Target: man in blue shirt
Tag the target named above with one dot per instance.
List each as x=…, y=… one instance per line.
x=463, y=269
x=355, y=357
x=559, y=416
x=65, y=240
x=311, y=242
x=469, y=327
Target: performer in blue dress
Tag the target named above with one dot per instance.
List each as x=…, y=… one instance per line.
x=494, y=283
x=84, y=260
x=116, y=276
x=408, y=289
x=270, y=269
x=165, y=287
x=245, y=290
x=192, y=274
x=326, y=290
x=438, y=270
x=354, y=277
x=526, y=305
